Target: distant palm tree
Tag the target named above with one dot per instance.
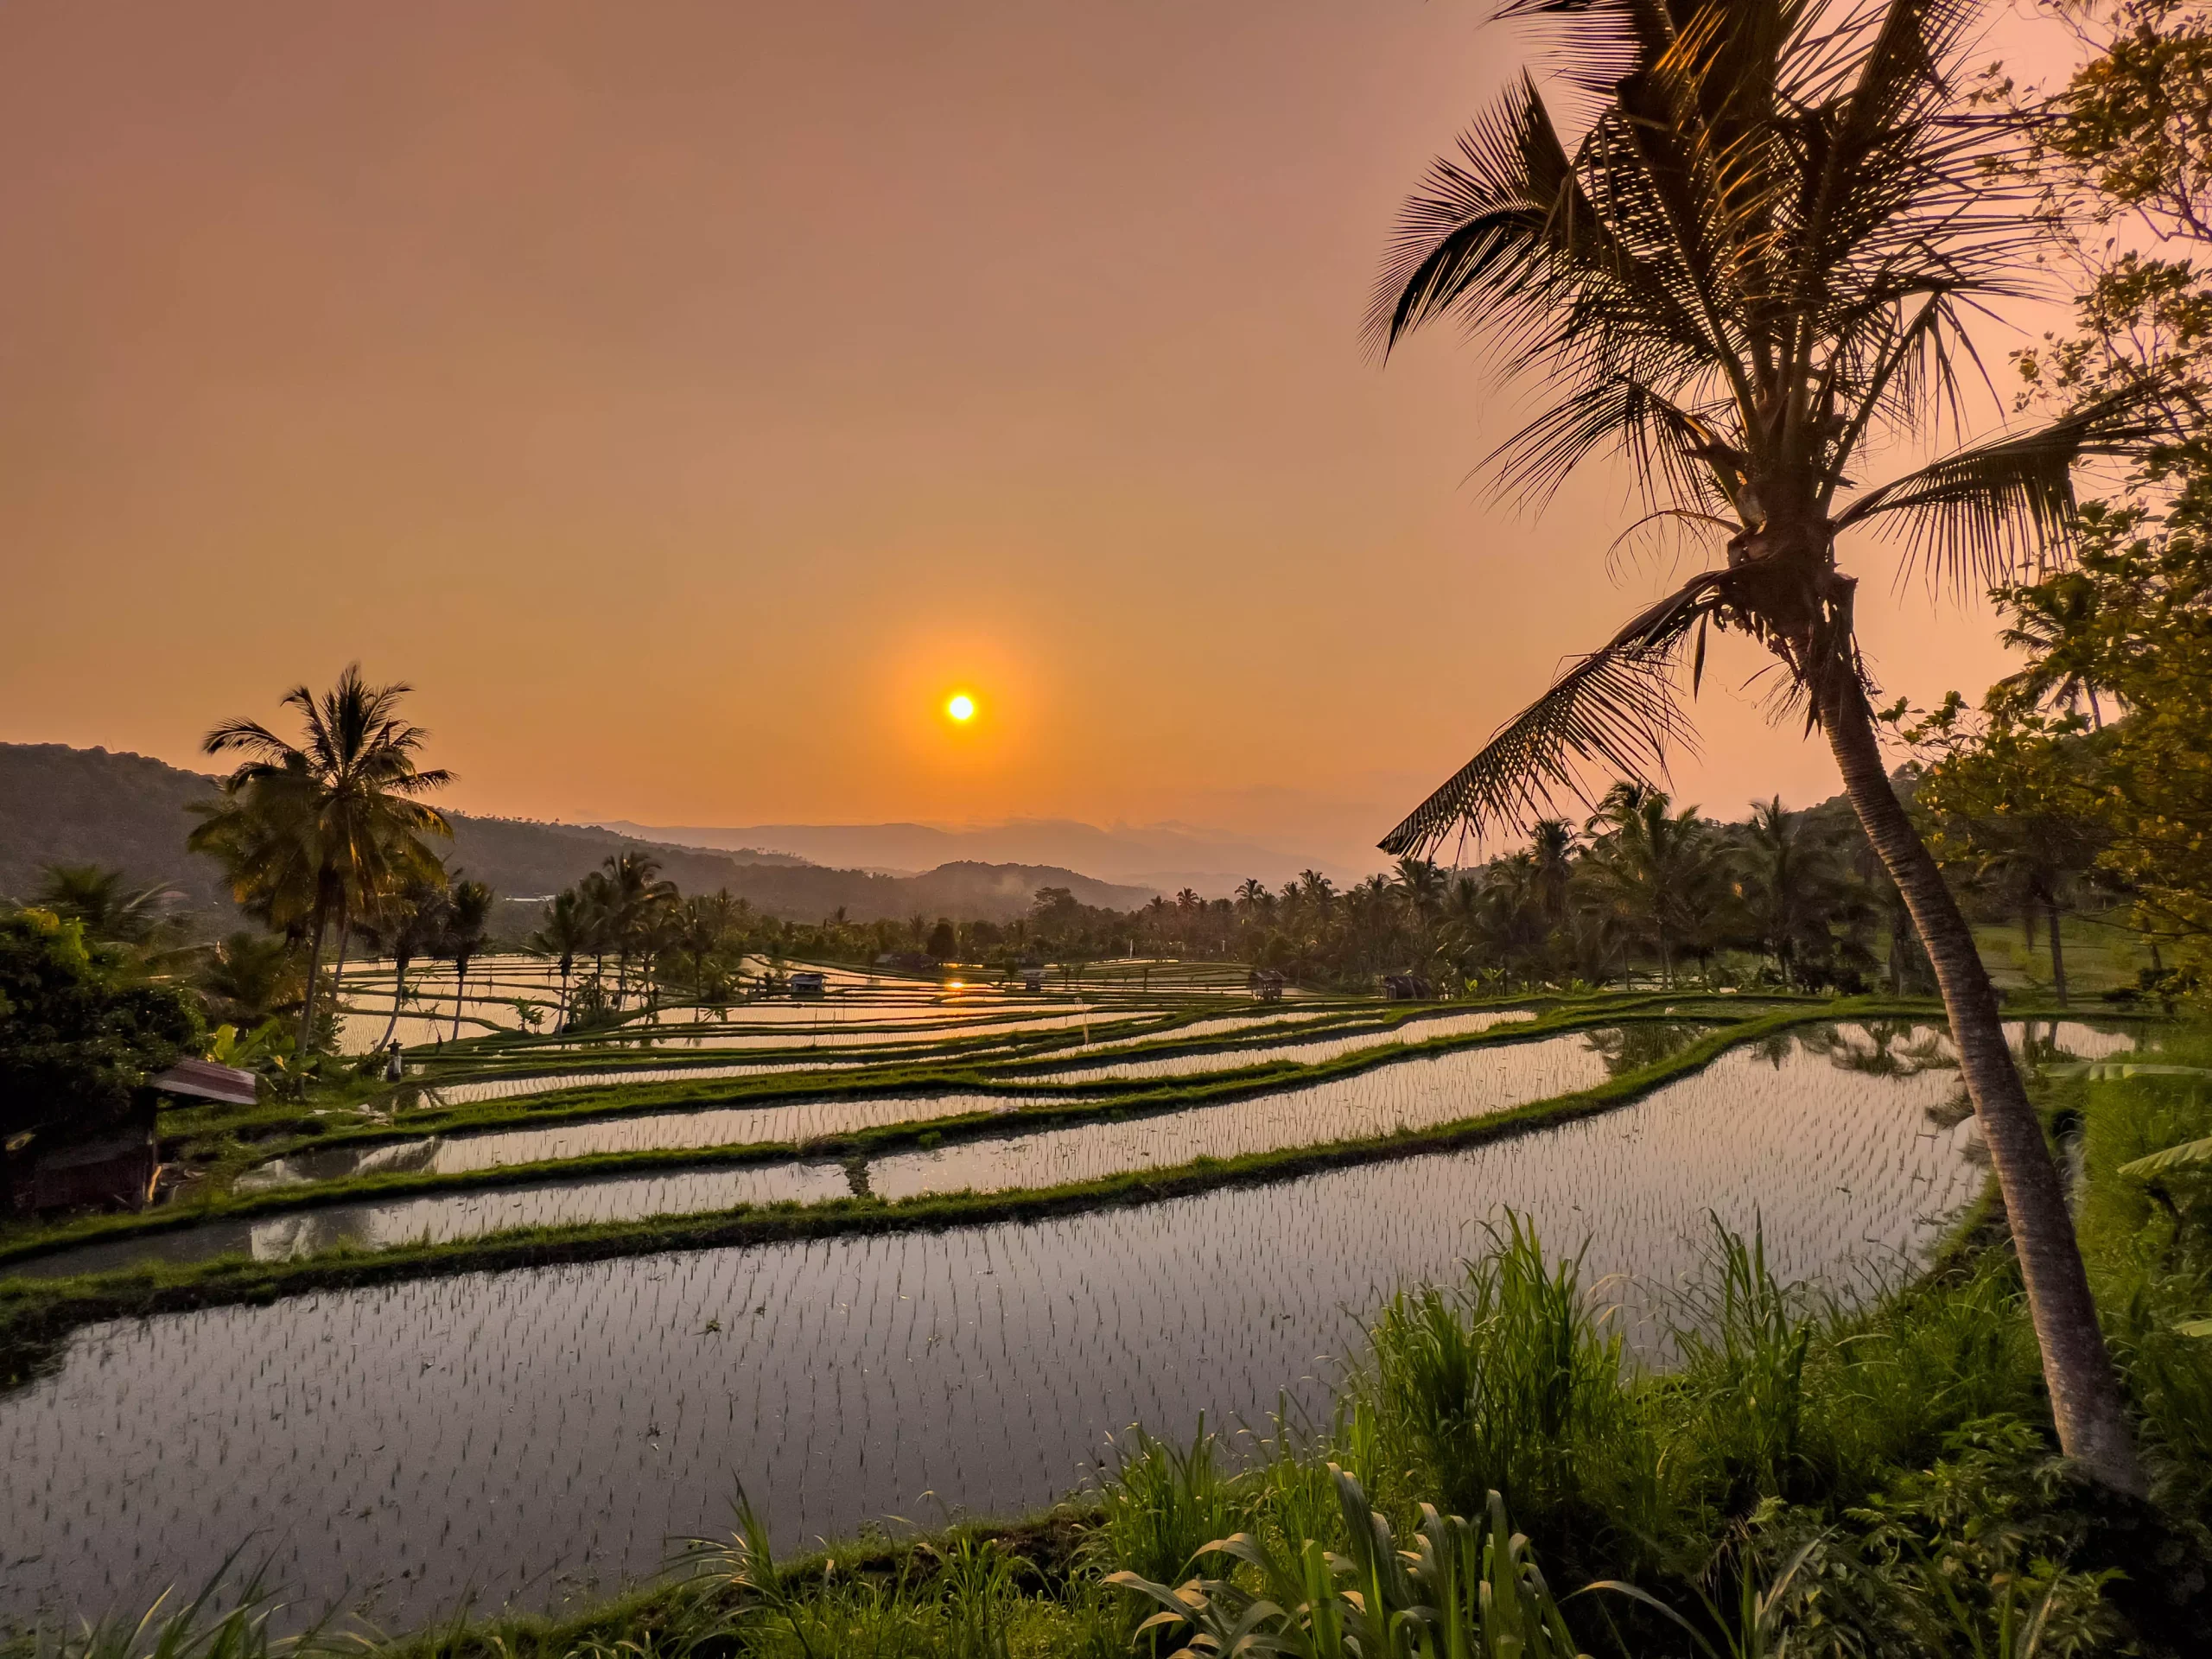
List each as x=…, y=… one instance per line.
x=1756, y=268
x=635, y=899
x=464, y=922
x=319, y=831
x=1793, y=884
x=96, y=896
x=565, y=933
x=249, y=977
x=408, y=922
x=1656, y=868
x=1550, y=849
x=1252, y=897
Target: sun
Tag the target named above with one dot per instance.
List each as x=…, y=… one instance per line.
x=961, y=707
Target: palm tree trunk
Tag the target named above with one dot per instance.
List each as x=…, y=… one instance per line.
x=2057, y=951
x=307, y=1002
x=2087, y=1405
x=459, y=989
x=338, y=973
x=399, y=994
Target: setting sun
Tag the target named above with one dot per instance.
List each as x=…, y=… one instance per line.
x=962, y=707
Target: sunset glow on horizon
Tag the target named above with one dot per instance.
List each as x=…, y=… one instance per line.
x=516, y=341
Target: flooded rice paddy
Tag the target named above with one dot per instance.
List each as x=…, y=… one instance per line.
x=518, y=1435
x=1303, y=1049
x=436, y=1219
x=1411, y=1095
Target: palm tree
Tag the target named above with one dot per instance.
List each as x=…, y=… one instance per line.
x=96, y=896
x=633, y=897
x=465, y=920
x=249, y=977
x=407, y=923
x=565, y=934
x=1252, y=896
x=1654, y=867
x=322, y=830
x=1755, y=268
x=1792, y=885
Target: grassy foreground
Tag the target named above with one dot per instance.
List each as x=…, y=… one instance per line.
x=1807, y=1479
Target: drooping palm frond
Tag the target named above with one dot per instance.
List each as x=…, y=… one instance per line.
x=1990, y=511
x=1614, y=710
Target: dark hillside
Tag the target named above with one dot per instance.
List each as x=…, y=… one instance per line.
x=76, y=806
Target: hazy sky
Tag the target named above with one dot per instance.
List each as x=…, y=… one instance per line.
x=687, y=395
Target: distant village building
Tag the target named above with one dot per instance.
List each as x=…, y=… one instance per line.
x=806, y=983
x=1407, y=988
x=1032, y=979
x=1266, y=985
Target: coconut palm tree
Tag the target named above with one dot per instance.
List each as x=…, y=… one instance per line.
x=464, y=923
x=633, y=898
x=565, y=934
x=1753, y=269
x=111, y=912
x=1654, y=868
x=1793, y=886
x=319, y=831
x=408, y=922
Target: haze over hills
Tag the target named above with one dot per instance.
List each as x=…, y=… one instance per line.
x=1163, y=856
x=59, y=804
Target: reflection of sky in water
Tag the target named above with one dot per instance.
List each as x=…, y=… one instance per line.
x=441, y=1216
x=1309, y=1051
x=512, y=1434
x=1411, y=1094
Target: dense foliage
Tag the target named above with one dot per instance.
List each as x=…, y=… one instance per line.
x=79, y=1034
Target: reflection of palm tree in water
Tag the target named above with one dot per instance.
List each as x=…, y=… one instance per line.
x=1880, y=1048
x=1630, y=1048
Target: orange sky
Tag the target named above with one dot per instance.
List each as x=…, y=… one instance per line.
x=687, y=395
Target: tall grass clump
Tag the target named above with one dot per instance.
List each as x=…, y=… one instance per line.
x=227, y=1619
x=1506, y=1382
x=1466, y=1589
x=1162, y=1503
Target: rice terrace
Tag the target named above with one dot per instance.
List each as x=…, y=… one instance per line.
x=1552, y=1216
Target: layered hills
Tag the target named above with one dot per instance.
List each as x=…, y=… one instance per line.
x=65, y=805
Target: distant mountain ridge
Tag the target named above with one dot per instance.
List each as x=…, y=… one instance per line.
x=1162, y=856
x=64, y=805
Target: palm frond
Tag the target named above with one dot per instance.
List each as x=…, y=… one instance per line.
x=1987, y=512
x=1615, y=709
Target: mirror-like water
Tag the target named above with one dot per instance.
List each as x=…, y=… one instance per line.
x=439, y=1217
x=658, y=1131
x=1309, y=1051
x=1412, y=1094
x=516, y=1434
